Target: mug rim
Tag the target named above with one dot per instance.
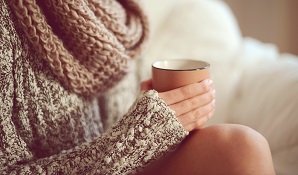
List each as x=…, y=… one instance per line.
x=192, y=69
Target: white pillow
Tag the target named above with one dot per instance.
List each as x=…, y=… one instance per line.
x=266, y=99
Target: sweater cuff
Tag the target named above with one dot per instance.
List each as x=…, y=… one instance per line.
x=147, y=132
x=159, y=119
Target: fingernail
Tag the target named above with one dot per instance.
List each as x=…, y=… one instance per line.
x=211, y=114
x=212, y=93
x=210, y=82
x=213, y=101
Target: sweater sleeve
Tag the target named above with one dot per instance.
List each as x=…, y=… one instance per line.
x=145, y=133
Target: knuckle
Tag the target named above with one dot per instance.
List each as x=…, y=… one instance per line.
x=193, y=102
x=169, y=95
x=185, y=91
x=196, y=114
x=210, y=96
x=186, y=105
x=182, y=105
x=205, y=86
x=166, y=96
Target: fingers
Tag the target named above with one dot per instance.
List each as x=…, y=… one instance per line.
x=197, y=114
x=186, y=92
x=193, y=103
x=194, y=112
x=146, y=85
x=199, y=123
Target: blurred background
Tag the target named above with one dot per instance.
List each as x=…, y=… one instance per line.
x=271, y=21
x=256, y=85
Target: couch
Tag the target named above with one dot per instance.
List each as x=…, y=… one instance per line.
x=256, y=85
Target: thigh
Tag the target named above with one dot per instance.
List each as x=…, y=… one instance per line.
x=219, y=149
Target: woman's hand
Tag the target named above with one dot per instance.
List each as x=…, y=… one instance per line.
x=194, y=104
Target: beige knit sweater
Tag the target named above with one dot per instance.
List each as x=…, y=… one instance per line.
x=46, y=129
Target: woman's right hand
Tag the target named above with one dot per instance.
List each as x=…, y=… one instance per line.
x=193, y=104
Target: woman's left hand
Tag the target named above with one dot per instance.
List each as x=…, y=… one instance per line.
x=194, y=108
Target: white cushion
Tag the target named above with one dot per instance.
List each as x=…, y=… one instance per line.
x=256, y=85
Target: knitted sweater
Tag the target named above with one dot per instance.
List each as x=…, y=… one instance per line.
x=47, y=129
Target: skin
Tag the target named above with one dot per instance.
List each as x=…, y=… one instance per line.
x=194, y=104
x=219, y=149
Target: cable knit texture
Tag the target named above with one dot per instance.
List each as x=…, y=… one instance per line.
x=47, y=129
x=86, y=42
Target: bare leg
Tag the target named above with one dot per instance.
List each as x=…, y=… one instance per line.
x=219, y=149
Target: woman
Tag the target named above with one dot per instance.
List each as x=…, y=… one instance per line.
x=59, y=58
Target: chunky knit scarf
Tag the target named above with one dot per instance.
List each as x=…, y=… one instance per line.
x=87, y=43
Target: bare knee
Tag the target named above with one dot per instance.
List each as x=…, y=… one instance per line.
x=220, y=149
x=233, y=135
x=242, y=149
